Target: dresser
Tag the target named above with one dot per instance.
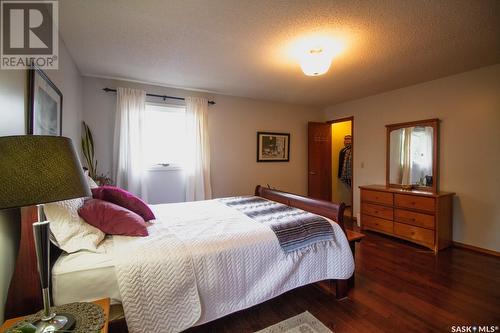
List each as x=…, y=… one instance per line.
x=420, y=217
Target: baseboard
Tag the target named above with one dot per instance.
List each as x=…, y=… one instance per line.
x=476, y=249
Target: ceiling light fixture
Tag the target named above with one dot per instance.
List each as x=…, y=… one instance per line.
x=315, y=62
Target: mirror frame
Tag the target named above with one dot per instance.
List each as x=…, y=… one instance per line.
x=434, y=123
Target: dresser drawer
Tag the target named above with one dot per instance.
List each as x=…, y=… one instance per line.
x=376, y=223
x=415, y=233
x=416, y=202
x=377, y=210
x=416, y=219
x=377, y=197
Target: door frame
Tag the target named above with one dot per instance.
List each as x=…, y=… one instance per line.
x=341, y=120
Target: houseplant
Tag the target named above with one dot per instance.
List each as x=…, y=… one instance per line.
x=89, y=154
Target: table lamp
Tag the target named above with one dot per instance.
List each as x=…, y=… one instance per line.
x=35, y=170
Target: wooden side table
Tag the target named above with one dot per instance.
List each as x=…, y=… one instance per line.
x=353, y=237
x=342, y=286
x=103, y=303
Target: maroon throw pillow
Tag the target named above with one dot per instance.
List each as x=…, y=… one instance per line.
x=125, y=199
x=112, y=219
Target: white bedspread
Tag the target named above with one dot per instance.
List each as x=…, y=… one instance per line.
x=208, y=260
x=156, y=280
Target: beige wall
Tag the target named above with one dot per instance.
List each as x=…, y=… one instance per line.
x=69, y=80
x=12, y=122
x=234, y=123
x=468, y=105
x=233, y=126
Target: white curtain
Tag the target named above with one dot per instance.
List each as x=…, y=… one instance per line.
x=128, y=157
x=197, y=164
x=396, y=159
x=406, y=157
x=421, y=154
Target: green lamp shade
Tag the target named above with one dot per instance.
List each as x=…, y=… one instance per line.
x=39, y=169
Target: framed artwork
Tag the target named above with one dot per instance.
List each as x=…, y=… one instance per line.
x=44, y=104
x=273, y=147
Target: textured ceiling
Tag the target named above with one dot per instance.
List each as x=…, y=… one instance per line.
x=241, y=47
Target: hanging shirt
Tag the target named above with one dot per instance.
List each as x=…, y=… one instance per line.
x=346, y=175
x=341, y=162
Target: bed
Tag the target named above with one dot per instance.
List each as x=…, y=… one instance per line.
x=236, y=263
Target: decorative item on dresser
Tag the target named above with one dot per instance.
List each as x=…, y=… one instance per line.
x=421, y=217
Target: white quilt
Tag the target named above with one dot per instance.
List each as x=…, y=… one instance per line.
x=204, y=260
x=156, y=280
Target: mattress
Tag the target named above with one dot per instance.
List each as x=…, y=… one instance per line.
x=238, y=262
x=85, y=276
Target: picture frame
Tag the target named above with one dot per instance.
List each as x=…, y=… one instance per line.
x=45, y=102
x=273, y=147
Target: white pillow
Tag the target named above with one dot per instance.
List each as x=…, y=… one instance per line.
x=70, y=231
x=92, y=184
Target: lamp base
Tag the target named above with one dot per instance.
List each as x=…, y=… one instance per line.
x=61, y=321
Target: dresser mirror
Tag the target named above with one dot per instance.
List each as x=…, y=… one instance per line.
x=412, y=155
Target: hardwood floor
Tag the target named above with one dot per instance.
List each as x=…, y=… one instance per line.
x=400, y=287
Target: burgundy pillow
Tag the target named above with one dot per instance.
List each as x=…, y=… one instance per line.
x=125, y=199
x=112, y=219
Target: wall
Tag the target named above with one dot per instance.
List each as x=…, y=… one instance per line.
x=12, y=122
x=468, y=105
x=340, y=191
x=69, y=80
x=233, y=126
x=13, y=106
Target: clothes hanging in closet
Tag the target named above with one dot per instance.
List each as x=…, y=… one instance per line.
x=345, y=165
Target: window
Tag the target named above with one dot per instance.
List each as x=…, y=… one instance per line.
x=164, y=134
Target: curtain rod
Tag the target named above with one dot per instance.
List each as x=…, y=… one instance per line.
x=160, y=96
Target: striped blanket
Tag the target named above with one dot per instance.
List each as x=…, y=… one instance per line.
x=296, y=229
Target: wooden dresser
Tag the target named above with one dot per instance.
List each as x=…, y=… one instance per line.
x=420, y=217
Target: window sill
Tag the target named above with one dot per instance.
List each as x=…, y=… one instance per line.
x=157, y=168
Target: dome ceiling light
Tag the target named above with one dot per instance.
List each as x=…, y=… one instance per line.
x=315, y=62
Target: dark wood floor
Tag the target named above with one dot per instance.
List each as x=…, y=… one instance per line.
x=399, y=288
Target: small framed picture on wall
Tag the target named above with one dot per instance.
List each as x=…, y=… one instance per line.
x=44, y=104
x=273, y=147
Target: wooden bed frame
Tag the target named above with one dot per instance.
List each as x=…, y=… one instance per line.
x=24, y=296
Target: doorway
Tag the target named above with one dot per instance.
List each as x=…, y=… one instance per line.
x=342, y=162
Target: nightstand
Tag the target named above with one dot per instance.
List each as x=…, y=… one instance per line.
x=103, y=303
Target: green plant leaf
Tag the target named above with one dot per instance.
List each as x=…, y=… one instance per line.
x=88, y=150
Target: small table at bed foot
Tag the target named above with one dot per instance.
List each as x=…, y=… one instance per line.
x=353, y=237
